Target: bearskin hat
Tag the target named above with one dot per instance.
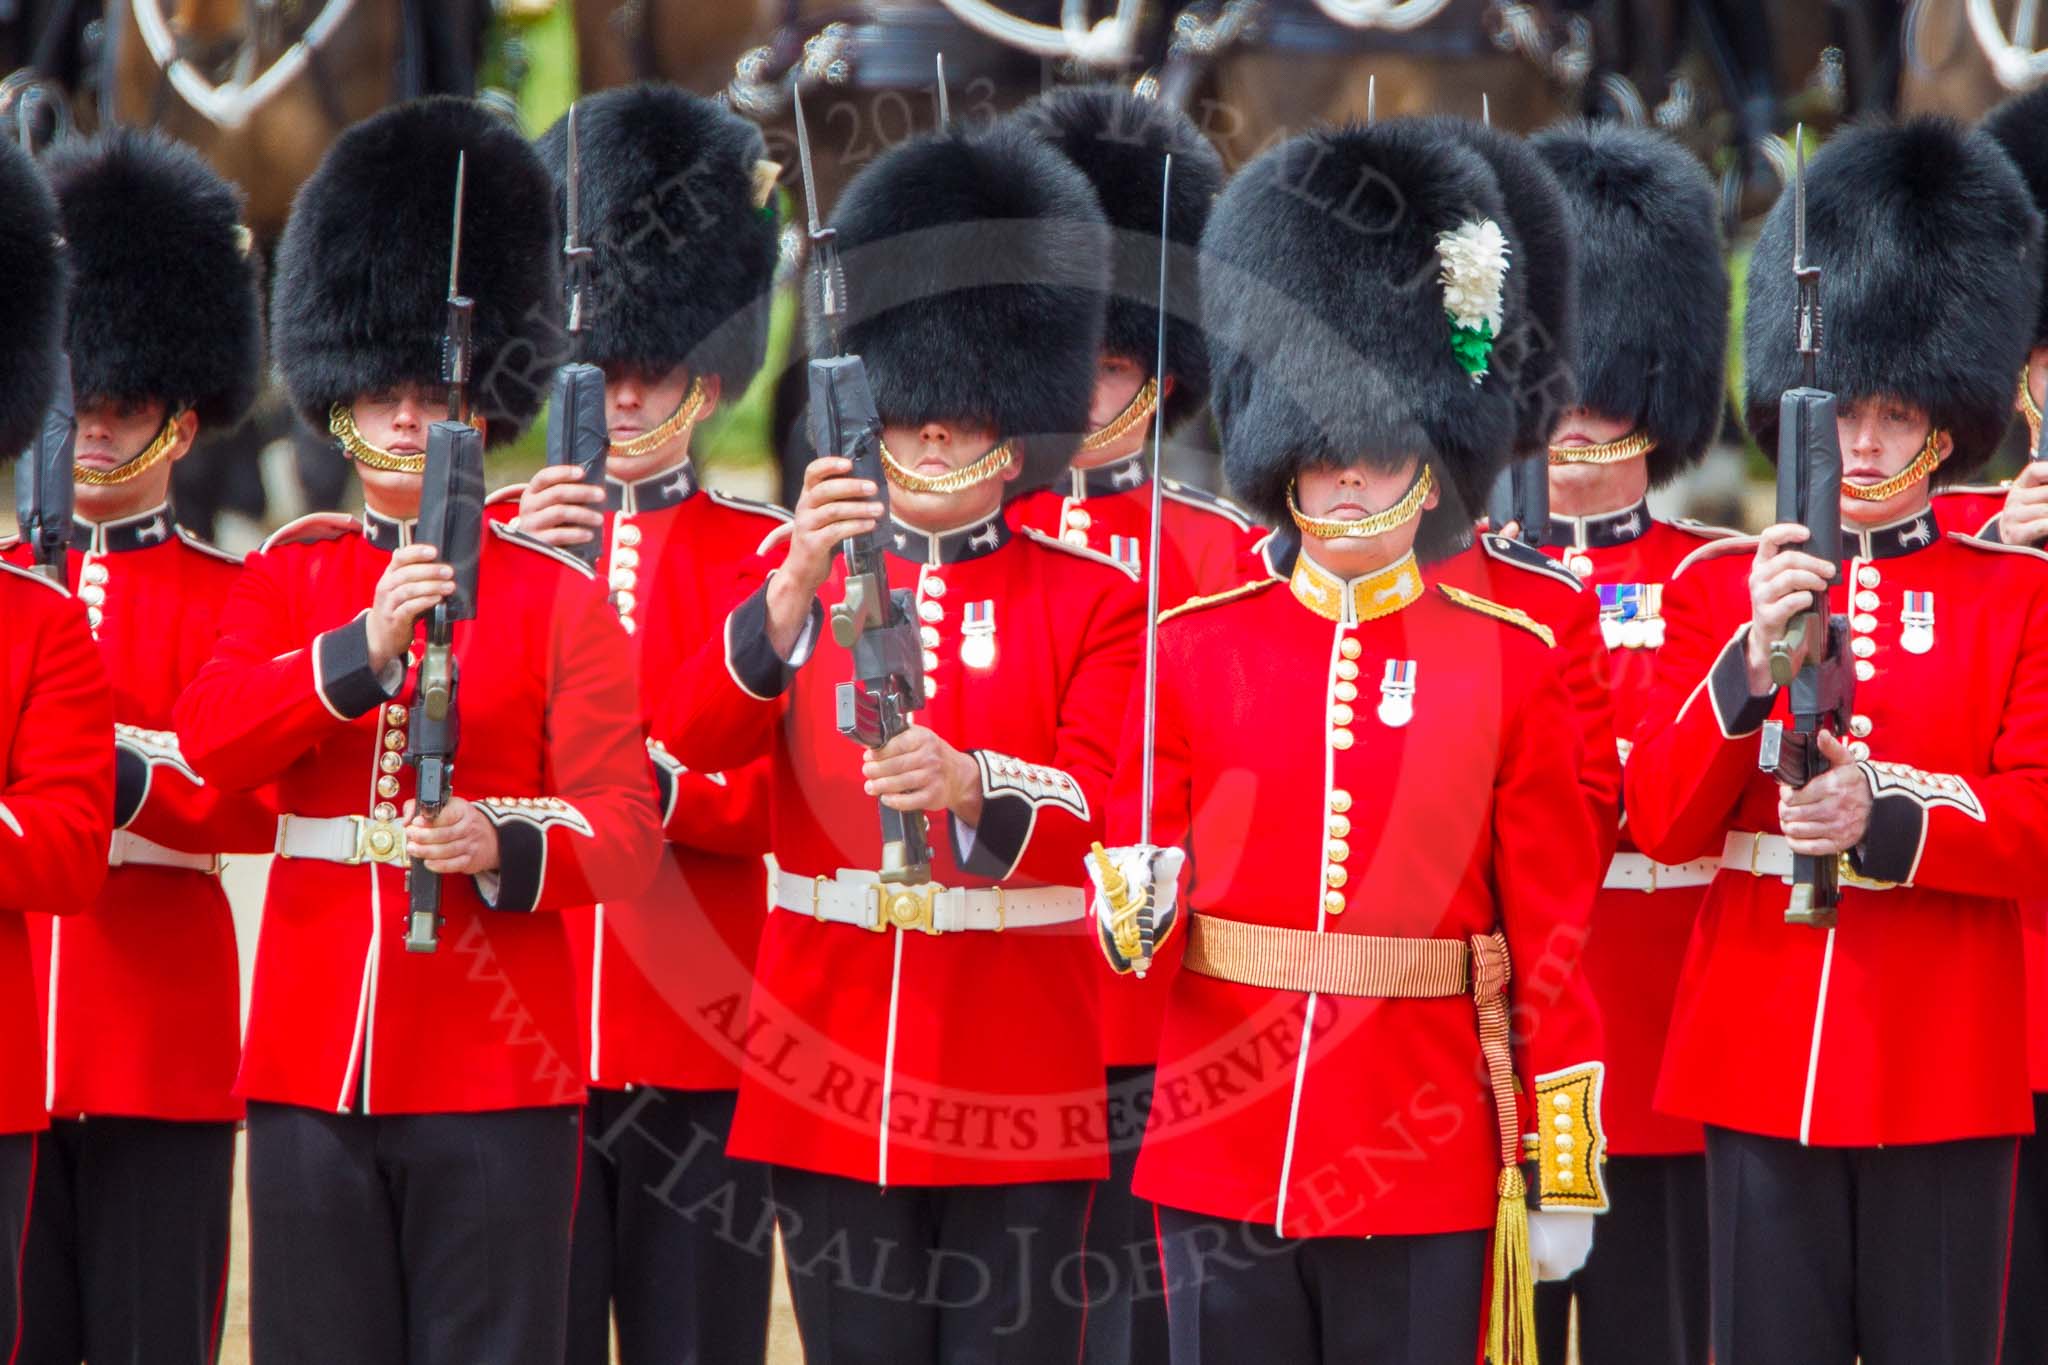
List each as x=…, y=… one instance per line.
x=34, y=272
x=359, y=303
x=1330, y=333
x=685, y=256
x=1653, y=285
x=1929, y=248
x=1536, y=359
x=975, y=269
x=165, y=301
x=2021, y=127
x=1120, y=141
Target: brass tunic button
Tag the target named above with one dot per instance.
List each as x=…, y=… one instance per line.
x=1346, y=669
x=1345, y=691
x=627, y=623
x=1338, y=851
x=1866, y=600
x=624, y=580
x=1864, y=622
x=394, y=714
x=1867, y=577
x=628, y=534
x=928, y=637
x=394, y=740
x=1333, y=901
x=1865, y=670
x=931, y=661
x=626, y=602
x=390, y=763
x=95, y=573
x=1077, y=539
x=1335, y=877
x=625, y=557
x=1349, y=648
x=1580, y=565
x=93, y=594
x=931, y=612
x=1340, y=714
x=384, y=810
x=1858, y=750
x=1863, y=646
x=931, y=686
x=93, y=617
x=1340, y=826
x=1340, y=800
x=1341, y=738
x=1859, y=726
x=934, y=587
x=1078, y=519
x=387, y=786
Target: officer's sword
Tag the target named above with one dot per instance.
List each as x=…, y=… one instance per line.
x=1146, y=927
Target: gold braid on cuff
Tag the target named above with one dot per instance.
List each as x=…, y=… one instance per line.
x=341, y=424
x=1607, y=452
x=1378, y=524
x=681, y=420
x=2032, y=412
x=150, y=457
x=987, y=467
x=1136, y=412
x=1925, y=463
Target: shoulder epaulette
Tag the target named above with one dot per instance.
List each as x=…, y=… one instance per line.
x=212, y=551
x=1715, y=549
x=1032, y=533
x=1194, y=604
x=314, y=526
x=35, y=577
x=1529, y=558
x=739, y=504
x=511, y=492
x=1704, y=530
x=527, y=542
x=1208, y=502
x=1486, y=606
x=1998, y=546
x=780, y=534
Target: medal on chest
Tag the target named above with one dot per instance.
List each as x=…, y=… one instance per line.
x=978, y=635
x=1916, y=623
x=1632, y=615
x=1397, y=693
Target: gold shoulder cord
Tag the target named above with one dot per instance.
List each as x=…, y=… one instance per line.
x=151, y=456
x=1378, y=524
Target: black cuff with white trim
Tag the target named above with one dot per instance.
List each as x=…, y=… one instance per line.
x=1737, y=712
x=131, y=784
x=749, y=656
x=341, y=670
x=522, y=861
x=1890, y=850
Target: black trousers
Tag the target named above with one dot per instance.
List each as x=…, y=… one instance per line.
x=1824, y=1255
x=947, y=1275
x=410, y=1239
x=1642, y=1294
x=2026, y=1293
x=1126, y=1286
x=17, y=1175
x=672, y=1235
x=1238, y=1295
x=127, y=1254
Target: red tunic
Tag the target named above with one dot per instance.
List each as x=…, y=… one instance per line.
x=1899, y=1025
x=1209, y=545
x=341, y=1016
x=147, y=1019
x=663, y=976
x=1446, y=814
x=1972, y=508
x=1639, y=936
x=56, y=807
x=981, y=1048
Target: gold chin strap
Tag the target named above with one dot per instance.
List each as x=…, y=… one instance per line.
x=1608, y=452
x=1378, y=524
x=152, y=455
x=341, y=423
x=2032, y=412
x=987, y=467
x=1925, y=463
x=681, y=420
x=1136, y=412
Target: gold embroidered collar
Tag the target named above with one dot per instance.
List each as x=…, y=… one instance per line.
x=1352, y=600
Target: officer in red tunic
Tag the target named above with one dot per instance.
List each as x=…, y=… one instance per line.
x=1863, y=1084
x=672, y=197
x=1365, y=806
x=413, y=1117
x=56, y=786
x=926, y=1075
x=1104, y=502
x=1652, y=339
x=128, y=1249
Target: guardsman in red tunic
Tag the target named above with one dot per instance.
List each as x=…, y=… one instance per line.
x=413, y=1117
x=1863, y=1085
x=925, y=1071
x=1104, y=502
x=127, y=1256
x=672, y=197
x=1652, y=339
x=56, y=785
x=1366, y=806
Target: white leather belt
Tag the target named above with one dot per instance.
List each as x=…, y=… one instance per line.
x=858, y=898
x=1770, y=855
x=348, y=839
x=1639, y=872
x=132, y=850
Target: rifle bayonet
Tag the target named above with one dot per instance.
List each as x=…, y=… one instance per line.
x=456, y=346
x=945, y=110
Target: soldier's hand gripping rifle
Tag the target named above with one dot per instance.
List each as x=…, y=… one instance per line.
x=875, y=622
x=577, y=433
x=1823, y=687
x=42, y=482
x=1521, y=494
x=451, y=520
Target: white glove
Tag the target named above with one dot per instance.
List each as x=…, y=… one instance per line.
x=1560, y=1240
x=1140, y=876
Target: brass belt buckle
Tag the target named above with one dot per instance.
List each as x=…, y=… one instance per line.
x=903, y=907
x=379, y=841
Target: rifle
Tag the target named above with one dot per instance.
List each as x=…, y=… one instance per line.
x=873, y=621
x=577, y=434
x=451, y=520
x=1521, y=494
x=42, y=482
x=1823, y=689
